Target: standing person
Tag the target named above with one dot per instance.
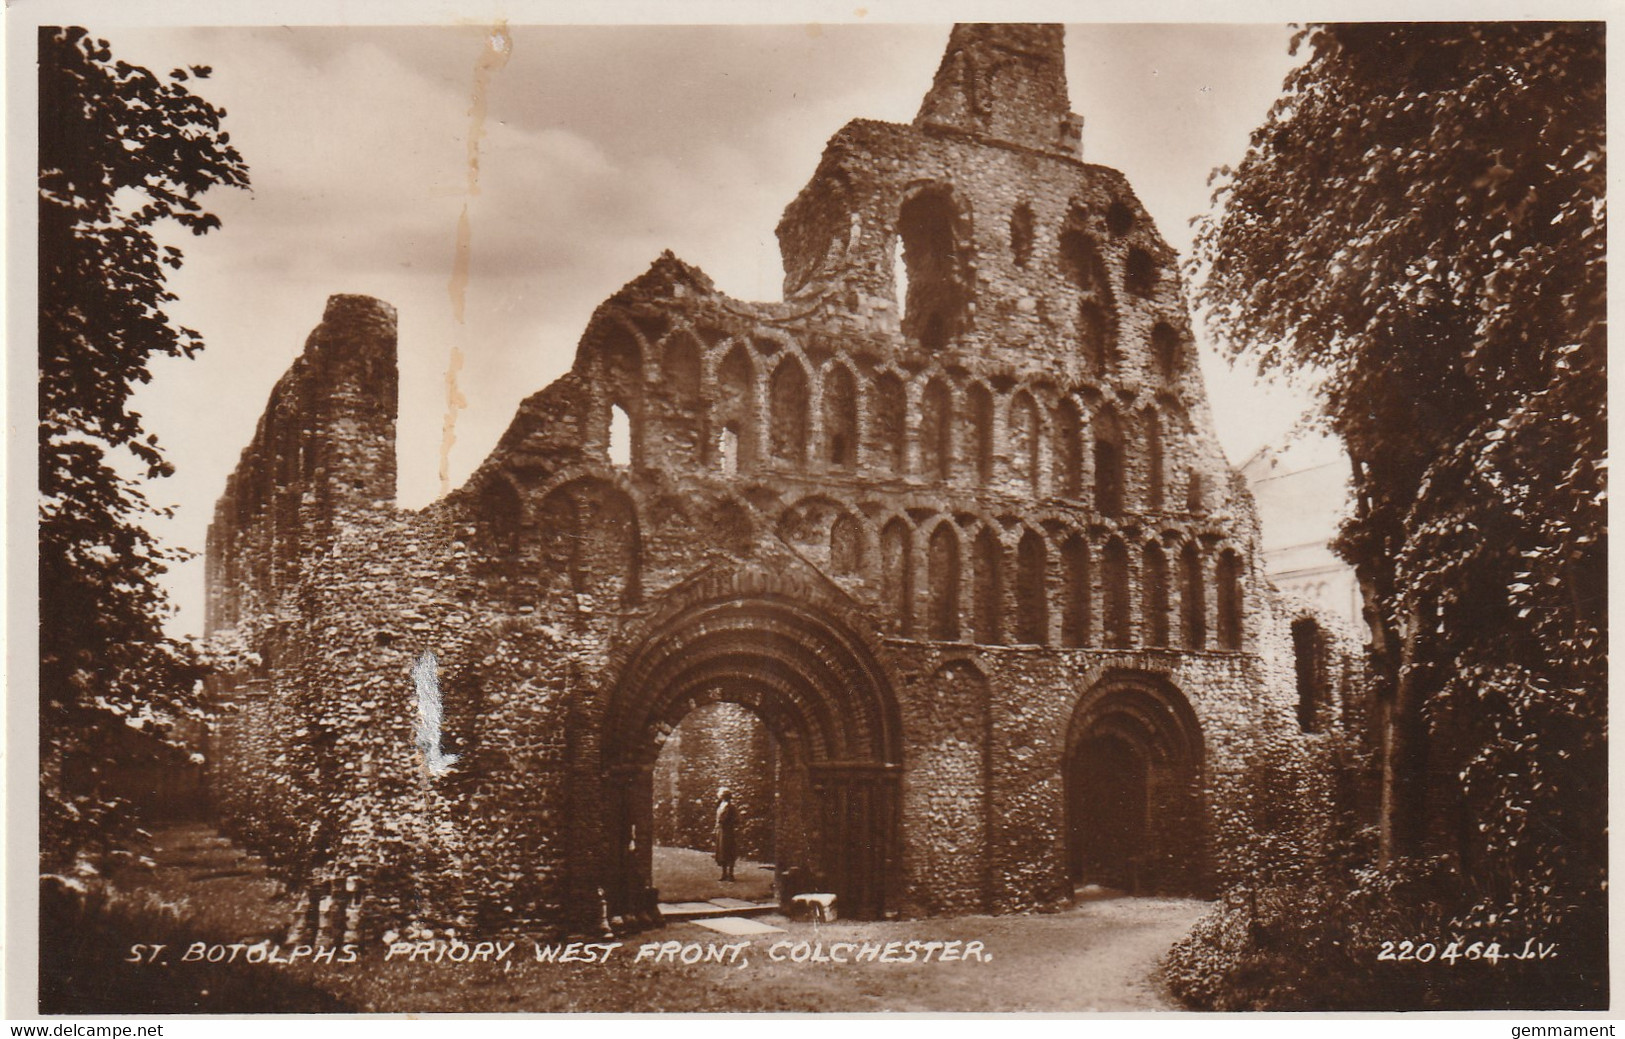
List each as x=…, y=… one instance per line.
x=727, y=823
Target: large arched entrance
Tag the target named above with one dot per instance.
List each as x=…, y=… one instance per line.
x=1132, y=772
x=817, y=687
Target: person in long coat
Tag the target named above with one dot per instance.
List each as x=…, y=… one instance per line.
x=727, y=825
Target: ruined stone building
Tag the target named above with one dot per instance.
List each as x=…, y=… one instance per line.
x=943, y=545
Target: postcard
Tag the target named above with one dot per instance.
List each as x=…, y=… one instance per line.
x=846, y=515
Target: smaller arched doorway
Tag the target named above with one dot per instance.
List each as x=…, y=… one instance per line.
x=1132, y=774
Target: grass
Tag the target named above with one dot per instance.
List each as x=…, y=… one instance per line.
x=686, y=875
x=1101, y=954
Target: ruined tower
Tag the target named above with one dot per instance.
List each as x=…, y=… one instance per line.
x=950, y=525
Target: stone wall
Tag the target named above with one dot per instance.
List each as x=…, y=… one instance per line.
x=717, y=746
x=951, y=546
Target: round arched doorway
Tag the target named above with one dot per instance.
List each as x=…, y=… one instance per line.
x=817, y=688
x=1132, y=774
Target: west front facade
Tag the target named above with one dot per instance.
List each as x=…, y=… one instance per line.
x=941, y=555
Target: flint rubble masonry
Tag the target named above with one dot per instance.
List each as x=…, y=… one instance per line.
x=958, y=552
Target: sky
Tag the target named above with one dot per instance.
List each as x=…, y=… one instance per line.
x=597, y=148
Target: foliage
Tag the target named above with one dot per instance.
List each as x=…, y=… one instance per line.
x=1333, y=940
x=1421, y=219
x=87, y=934
x=120, y=150
x=1300, y=803
x=1303, y=920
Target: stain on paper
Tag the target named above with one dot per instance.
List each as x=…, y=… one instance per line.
x=498, y=47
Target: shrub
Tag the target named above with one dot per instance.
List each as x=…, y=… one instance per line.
x=1306, y=922
x=86, y=934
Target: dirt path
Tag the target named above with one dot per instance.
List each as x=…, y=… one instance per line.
x=1101, y=954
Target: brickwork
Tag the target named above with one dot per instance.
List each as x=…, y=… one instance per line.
x=951, y=522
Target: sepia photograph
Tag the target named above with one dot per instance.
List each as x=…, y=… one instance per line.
x=881, y=515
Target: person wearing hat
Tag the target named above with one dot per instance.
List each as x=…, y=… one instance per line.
x=727, y=824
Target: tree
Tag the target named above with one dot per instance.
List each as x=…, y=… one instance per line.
x=1421, y=220
x=120, y=150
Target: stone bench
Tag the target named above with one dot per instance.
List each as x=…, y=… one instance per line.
x=818, y=905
